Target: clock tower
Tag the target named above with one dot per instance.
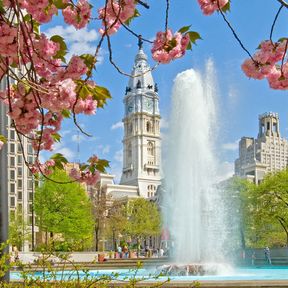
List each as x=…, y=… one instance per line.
x=141, y=142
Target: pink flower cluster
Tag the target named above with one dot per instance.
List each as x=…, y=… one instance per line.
x=114, y=13
x=45, y=168
x=79, y=15
x=167, y=47
x=89, y=174
x=208, y=7
x=85, y=176
x=265, y=64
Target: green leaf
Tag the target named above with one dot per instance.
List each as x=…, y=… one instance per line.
x=56, y=137
x=184, y=29
x=2, y=10
x=226, y=8
x=101, y=94
x=59, y=158
x=89, y=61
x=60, y=5
x=63, y=47
x=189, y=46
x=3, y=139
x=66, y=113
x=36, y=26
x=84, y=92
x=101, y=165
x=136, y=14
x=194, y=36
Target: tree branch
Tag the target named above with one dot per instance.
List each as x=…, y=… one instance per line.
x=284, y=3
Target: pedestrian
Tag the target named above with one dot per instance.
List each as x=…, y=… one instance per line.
x=15, y=252
x=267, y=255
x=161, y=252
x=119, y=250
x=253, y=258
x=125, y=251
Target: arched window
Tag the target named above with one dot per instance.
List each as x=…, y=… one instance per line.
x=150, y=148
x=148, y=126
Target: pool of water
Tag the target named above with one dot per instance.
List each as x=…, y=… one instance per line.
x=245, y=273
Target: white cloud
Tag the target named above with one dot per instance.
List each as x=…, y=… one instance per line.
x=78, y=41
x=232, y=146
x=225, y=171
x=67, y=152
x=104, y=149
x=117, y=125
x=77, y=138
x=118, y=156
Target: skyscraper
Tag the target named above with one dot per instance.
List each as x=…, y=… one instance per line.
x=16, y=181
x=267, y=153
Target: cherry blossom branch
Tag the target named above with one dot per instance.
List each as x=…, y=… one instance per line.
x=284, y=3
x=274, y=22
x=167, y=15
x=234, y=33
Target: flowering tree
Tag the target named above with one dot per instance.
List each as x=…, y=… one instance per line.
x=43, y=88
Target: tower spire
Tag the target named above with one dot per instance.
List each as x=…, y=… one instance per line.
x=140, y=42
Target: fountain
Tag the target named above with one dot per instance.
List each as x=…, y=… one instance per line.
x=194, y=212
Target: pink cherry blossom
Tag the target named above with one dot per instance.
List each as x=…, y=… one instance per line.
x=1, y=144
x=167, y=47
x=114, y=13
x=78, y=16
x=208, y=7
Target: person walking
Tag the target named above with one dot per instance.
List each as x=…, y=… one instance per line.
x=253, y=258
x=267, y=255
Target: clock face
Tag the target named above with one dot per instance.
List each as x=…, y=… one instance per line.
x=130, y=107
x=149, y=105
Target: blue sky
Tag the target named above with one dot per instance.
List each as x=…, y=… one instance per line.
x=241, y=100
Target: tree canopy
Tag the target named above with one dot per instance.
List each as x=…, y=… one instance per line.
x=64, y=209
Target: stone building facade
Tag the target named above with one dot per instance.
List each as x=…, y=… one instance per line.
x=266, y=153
x=141, y=142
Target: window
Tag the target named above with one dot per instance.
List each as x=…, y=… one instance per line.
x=12, y=201
x=19, y=159
x=12, y=188
x=19, y=171
x=30, y=196
x=12, y=134
x=148, y=126
x=150, y=148
x=12, y=148
x=19, y=183
x=19, y=195
x=30, y=208
x=30, y=184
x=12, y=174
x=12, y=161
x=19, y=148
x=30, y=149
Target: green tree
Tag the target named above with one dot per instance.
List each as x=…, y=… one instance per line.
x=144, y=219
x=271, y=209
x=64, y=209
x=116, y=222
x=19, y=231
